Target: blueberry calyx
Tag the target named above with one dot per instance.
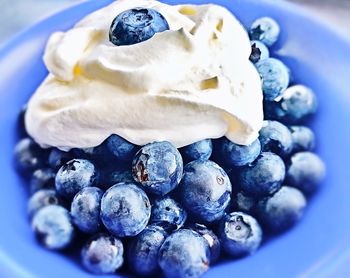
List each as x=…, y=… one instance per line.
x=256, y=53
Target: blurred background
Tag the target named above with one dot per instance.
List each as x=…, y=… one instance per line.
x=19, y=14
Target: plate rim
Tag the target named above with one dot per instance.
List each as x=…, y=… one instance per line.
x=294, y=8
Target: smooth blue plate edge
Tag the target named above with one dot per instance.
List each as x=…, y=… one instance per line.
x=8, y=45
x=17, y=39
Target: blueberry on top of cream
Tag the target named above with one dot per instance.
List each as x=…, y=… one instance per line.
x=136, y=25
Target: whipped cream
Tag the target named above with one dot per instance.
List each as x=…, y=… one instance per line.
x=190, y=83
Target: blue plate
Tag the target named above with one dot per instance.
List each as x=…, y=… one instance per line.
x=318, y=247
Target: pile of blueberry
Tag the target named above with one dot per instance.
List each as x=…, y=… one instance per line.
x=156, y=208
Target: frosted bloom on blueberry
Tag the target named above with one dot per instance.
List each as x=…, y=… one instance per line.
x=297, y=103
x=205, y=190
x=74, y=176
x=42, y=179
x=102, y=254
x=136, y=25
x=42, y=198
x=184, y=254
x=276, y=137
x=235, y=155
x=169, y=212
x=57, y=158
x=240, y=234
x=303, y=138
x=211, y=239
x=143, y=250
x=53, y=227
x=199, y=150
x=265, y=29
x=125, y=209
x=275, y=77
x=121, y=148
x=282, y=210
x=29, y=156
x=85, y=209
x=158, y=167
x=306, y=172
x=264, y=176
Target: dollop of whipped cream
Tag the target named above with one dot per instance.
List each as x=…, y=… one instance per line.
x=192, y=82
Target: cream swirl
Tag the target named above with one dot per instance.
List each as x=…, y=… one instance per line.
x=192, y=82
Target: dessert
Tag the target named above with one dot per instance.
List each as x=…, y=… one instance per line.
x=147, y=140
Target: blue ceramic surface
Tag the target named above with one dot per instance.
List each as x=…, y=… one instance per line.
x=318, y=247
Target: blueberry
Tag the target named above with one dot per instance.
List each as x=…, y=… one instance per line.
x=57, y=158
x=29, y=156
x=282, y=210
x=240, y=234
x=102, y=254
x=120, y=148
x=264, y=176
x=306, y=172
x=74, y=176
x=303, y=138
x=53, y=227
x=184, y=254
x=136, y=25
x=211, y=239
x=40, y=199
x=42, y=179
x=205, y=190
x=85, y=209
x=297, y=103
x=143, y=250
x=125, y=209
x=276, y=137
x=266, y=30
x=245, y=203
x=259, y=52
x=275, y=77
x=168, y=211
x=238, y=155
x=158, y=167
x=199, y=150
